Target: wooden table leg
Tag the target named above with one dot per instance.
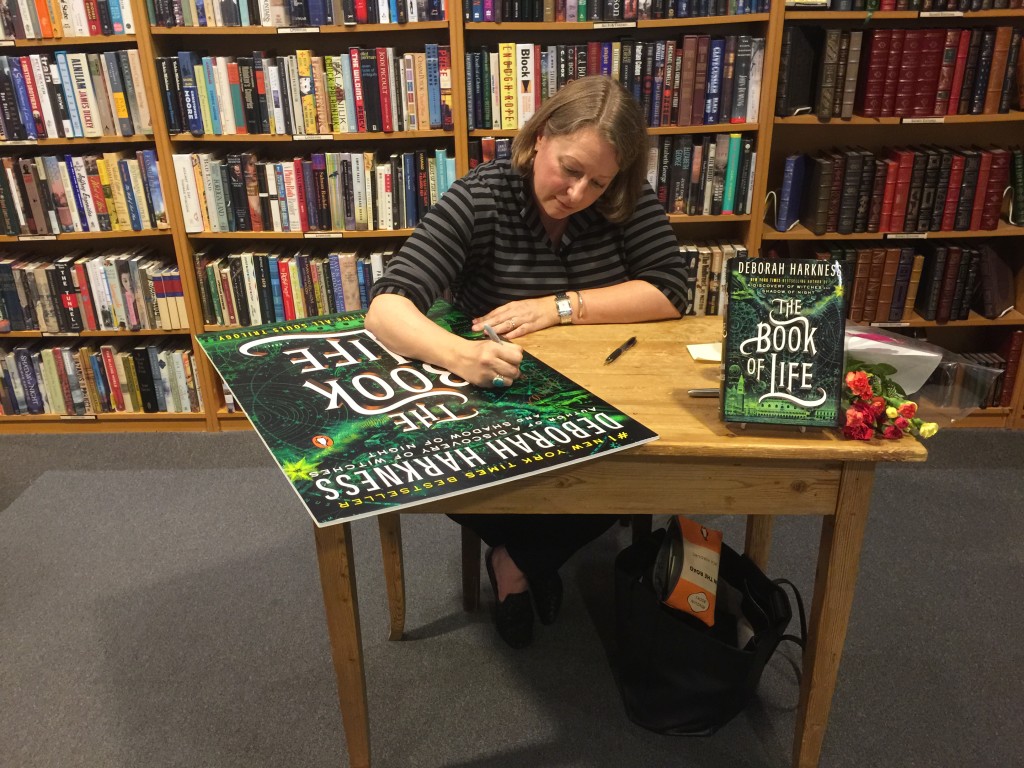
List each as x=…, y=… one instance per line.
x=338, y=582
x=470, y=570
x=390, y=526
x=835, y=579
x=759, y=540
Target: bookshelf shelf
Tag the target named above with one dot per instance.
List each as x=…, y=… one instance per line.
x=673, y=130
x=79, y=142
x=1013, y=317
x=104, y=422
x=850, y=15
x=336, y=29
x=187, y=138
x=91, y=334
x=61, y=42
x=85, y=236
x=585, y=26
x=800, y=232
x=342, y=235
x=682, y=218
x=1011, y=117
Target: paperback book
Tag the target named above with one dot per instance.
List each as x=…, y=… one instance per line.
x=359, y=430
x=783, y=353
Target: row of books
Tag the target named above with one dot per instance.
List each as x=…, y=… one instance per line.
x=706, y=262
x=86, y=378
x=48, y=19
x=327, y=192
x=906, y=189
x=292, y=13
x=697, y=80
x=887, y=283
x=703, y=174
x=908, y=73
x=278, y=284
x=993, y=397
x=605, y=10
x=72, y=95
x=361, y=90
x=115, y=290
x=112, y=192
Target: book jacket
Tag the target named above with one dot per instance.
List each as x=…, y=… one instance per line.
x=359, y=430
x=783, y=354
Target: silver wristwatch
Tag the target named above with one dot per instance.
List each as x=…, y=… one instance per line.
x=564, y=307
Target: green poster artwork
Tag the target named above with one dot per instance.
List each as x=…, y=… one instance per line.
x=783, y=353
x=359, y=430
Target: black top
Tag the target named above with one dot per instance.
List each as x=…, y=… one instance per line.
x=484, y=240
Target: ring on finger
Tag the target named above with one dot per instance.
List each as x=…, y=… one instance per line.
x=498, y=381
x=511, y=323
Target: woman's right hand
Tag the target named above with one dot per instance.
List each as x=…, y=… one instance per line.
x=483, y=362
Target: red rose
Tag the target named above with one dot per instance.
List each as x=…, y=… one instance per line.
x=908, y=410
x=857, y=432
x=858, y=383
x=878, y=406
x=854, y=417
x=892, y=432
x=902, y=424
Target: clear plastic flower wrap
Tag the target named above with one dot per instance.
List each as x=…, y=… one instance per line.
x=946, y=386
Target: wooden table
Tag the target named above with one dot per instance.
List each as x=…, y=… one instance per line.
x=699, y=464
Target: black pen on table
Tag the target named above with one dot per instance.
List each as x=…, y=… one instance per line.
x=626, y=345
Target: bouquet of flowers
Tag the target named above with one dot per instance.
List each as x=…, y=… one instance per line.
x=877, y=405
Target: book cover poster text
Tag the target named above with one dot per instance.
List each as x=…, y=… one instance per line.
x=359, y=430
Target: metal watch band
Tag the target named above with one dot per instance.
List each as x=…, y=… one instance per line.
x=564, y=307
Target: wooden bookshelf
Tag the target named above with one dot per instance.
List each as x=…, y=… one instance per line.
x=462, y=36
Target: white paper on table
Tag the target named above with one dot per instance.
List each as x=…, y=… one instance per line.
x=706, y=353
x=912, y=363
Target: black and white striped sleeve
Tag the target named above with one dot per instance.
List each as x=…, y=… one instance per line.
x=652, y=249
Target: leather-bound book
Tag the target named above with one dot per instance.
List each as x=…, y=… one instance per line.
x=947, y=68
x=912, y=288
x=850, y=191
x=997, y=71
x=998, y=181
x=981, y=186
x=914, y=190
x=886, y=289
x=874, y=287
x=840, y=80
x=968, y=189
x=984, y=71
x=1011, y=352
x=926, y=301
x=928, y=71
x=905, y=166
x=952, y=191
x=929, y=192
x=868, y=98
x=892, y=72
x=959, y=68
x=877, y=195
x=947, y=284
x=970, y=71
x=945, y=167
x=827, y=70
x=849, y=83
x=861, y=273
x=836, y=192
x=901, y=285
x=910, y=62
x=816, y=196
x=796, y=69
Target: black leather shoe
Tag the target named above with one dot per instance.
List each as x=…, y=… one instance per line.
x=547, y=597
x=513, y=616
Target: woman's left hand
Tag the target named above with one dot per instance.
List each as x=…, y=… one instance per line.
x=518, y=318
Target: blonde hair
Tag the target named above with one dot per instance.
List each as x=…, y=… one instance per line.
x=603, y=105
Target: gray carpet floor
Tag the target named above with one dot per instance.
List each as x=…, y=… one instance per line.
x=160, y=606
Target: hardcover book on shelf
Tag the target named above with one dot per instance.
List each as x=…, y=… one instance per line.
x=359, y=430
x=783, y=353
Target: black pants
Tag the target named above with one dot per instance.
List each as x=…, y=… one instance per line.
x=538, y=544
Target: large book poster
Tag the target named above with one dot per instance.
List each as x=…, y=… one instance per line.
x=783, y=354
x=359, y=430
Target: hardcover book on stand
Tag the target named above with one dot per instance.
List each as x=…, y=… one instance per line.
x=783, y=353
